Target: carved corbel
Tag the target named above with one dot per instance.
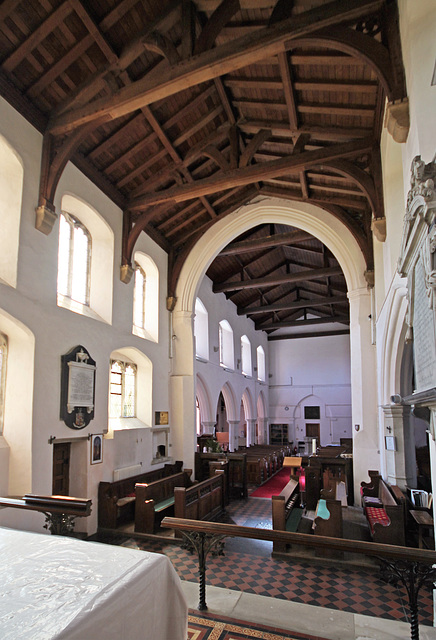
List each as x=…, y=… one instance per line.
x=45, y=219
x=369, y=277
x=378, y=227
x=397, y=120
x=126, y=273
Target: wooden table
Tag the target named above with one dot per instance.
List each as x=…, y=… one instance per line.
x=424, y=520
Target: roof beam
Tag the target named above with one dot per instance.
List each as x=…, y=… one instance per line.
x=253, y=173
x=304, y=323
x=265, y=243
x=288, y=278
x=289, y=306
x=314, y=334
x=216, y=62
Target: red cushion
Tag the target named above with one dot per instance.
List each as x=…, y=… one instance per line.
x=131, y=495
x=375, y=514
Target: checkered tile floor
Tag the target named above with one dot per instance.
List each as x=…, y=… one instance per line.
x=247, y=566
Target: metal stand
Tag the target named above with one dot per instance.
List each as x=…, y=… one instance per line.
x=203, y=544
x=413, y=575
x=59, y=524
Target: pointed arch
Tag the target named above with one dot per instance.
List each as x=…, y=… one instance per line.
x=203, y=395
x=261, y=405
x=247, y=402
x=305, y=216
x=232, y=407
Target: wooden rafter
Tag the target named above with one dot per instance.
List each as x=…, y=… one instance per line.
x=253, y=173
x=311, y=274
x=290, y=306
x=216, y=62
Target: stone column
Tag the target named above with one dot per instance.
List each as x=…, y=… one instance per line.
x=401, y=462
x=263, y=434
x=251, y=432
x=182, y=390
x=233, y=434
x=366, y=451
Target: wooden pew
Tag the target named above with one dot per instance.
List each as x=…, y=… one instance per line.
x=286, y=511
x=155, y=499
x=203, y=501
x=116, y=500
x=328, y=522
x=385, y=509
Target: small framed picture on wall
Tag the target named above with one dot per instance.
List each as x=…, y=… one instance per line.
x=96, y=448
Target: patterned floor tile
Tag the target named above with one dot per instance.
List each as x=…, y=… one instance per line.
x=248, y=566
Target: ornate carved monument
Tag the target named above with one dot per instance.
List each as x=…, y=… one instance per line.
x=417, y=262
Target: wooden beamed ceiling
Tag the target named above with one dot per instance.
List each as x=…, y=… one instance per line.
x=182, y=112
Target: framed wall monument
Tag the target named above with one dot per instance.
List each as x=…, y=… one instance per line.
x=77, y=388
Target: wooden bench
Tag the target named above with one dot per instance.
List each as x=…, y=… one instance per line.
x=384, y=506
x=153, y=500
x=328, y=522
x=203, y=501
x=286, y=511
x=116, y=500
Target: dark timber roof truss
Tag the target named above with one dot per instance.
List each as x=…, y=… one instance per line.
x=183, y=111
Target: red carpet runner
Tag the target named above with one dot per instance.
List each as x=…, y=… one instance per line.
x=202, y=626
x=274, y=485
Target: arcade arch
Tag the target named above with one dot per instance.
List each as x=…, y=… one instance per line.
x=339, y=239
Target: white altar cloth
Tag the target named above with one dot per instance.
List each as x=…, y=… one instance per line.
x=61, y=588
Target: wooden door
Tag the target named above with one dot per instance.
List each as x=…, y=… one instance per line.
x=312, y=431
x=61, y=469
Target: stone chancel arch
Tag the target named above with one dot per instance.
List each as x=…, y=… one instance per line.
x=341, y=242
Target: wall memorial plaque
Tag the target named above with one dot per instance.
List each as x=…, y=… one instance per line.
x=423, y=330
x=77, y=388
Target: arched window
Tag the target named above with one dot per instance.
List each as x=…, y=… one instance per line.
x=130, y=390
x=11, y=191
x=246, y=356
x=261, y=371
x=226, y=348
x=74, y=259
x=139, y=297
x=3, y=363
x=146, y=298
x=85, y=274
x=201, y=330
x=122, y=394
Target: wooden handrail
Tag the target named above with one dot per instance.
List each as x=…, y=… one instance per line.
x=411, y=567
x=60, y=511
x=308, y=540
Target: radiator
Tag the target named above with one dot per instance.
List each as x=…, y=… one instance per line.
x=127, y=472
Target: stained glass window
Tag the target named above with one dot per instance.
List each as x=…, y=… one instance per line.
x=122, y=396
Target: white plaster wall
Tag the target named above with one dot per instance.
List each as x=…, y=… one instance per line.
x=417, y=28
x=315, y=372
x=56, y=330
x=213, y=375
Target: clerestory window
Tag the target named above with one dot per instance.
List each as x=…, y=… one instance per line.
x=122, y=390
x=74, y=259
x=226, y=348
x=3, y=363
x=139, y=298
x=246, y=356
